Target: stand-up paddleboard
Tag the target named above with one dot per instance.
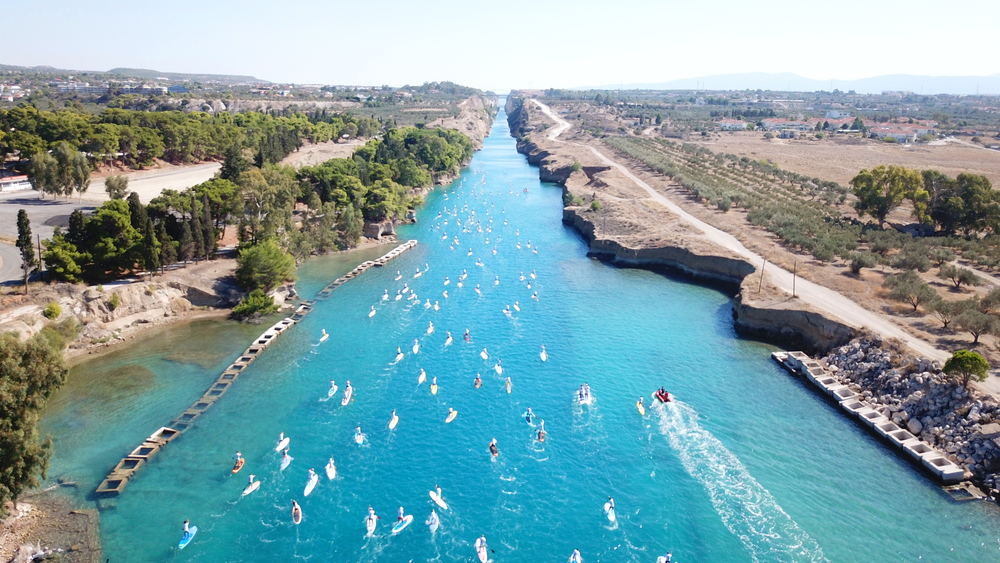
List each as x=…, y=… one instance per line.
x=331, y=471
x=436, y=307
x=188, y=536
x=370, y=522
x=609, y=511
x=484, y=355
x=483, y=552
x=575, y=558
x=311, y=485
x=499, y=369
x=371, y=313
x=479, y=383
x=451, y=416
x=402, y=524
x=543, y=355
x=433, y=522
x=285, y=461
x=239, y=465
x=422, y=378
x=399, y=276
x=359, y=439
x=416, y=347
x=347, y=396
x=399, y=296
x=508, y=387
x=399, y=356
x=430, y=329
x=517, y=307
x=434, y=389
x=296, y=516
x=325, y=336
x=642, y=409
x=541, y=435
x=448, y=341
x=282, y=444
x=251, y=488
x=393, y=422
x=438, y=500
x=332, y=391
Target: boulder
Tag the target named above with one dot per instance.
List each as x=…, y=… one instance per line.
x=914, y=426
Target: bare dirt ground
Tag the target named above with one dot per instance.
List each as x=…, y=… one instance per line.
x=470, y=121
x=839, y=158
x=149, y=183
x=860, y=300
x=311, y=155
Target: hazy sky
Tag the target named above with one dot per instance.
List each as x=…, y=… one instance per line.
x=509, y=44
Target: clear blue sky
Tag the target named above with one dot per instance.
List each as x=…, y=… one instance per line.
x=509, y=44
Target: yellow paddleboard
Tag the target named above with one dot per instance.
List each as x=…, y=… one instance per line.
x=451, y=416
x=434, y=389
x=393, y=422
x=642, y=410
x=508, y=386
x=399, y=356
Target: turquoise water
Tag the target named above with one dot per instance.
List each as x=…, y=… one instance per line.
x=748, y=464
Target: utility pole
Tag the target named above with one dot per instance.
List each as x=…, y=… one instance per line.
x=761, y=282
x=795, y=267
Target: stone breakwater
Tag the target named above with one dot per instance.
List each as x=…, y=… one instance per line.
x=916, y=395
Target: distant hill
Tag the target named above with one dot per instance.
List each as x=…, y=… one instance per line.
x=137, y=73
x=146, y=73
x=789, y=82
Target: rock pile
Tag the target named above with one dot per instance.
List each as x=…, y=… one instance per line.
x=917, y=395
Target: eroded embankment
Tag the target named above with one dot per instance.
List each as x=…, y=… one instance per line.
x=624, y=226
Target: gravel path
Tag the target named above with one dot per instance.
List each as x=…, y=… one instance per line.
x=818, y=296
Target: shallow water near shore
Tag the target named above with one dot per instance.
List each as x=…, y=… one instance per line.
x=749, y=464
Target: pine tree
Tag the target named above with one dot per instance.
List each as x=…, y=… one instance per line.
x=150, y=247
x=168, y=253
x=197, y=235
x=208, y=228
x=24, y=245
x=137, y=212
x=77, y=234
x=187, y=243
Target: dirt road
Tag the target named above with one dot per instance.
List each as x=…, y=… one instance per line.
x=816, y=295
x=311, y=155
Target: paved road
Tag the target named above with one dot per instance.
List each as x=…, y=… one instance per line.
x=10, y=262
x=818, y=296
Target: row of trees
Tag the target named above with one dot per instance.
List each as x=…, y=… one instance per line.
x=137, y=138
x=376, y=184
x=966, y=204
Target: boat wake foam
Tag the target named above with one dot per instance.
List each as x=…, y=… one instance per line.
x=747, y=509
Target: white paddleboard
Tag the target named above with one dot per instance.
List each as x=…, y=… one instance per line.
x=371, y=313
x=332, y=391
x=359, y=439
x=544, y=356
x=609, y=512
x=393, y=422
x=311, y=485
x=370, y=522
x=484, y=355
x=282, y=444
x=434, y=524
x=499, y=369
x=347, y=396
x=251, y=488
x=483, y=553
x=297, y=516
x=325, y=336
x=448, y=342
x=402, y=524
x=416, y=348
x=331, y=472
x=438, y=500
x=285, y=461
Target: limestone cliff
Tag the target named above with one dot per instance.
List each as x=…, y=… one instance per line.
x=622, y=225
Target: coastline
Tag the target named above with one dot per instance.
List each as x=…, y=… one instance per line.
x=630, y=230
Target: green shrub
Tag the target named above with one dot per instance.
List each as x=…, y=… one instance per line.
x=889, y=140
x=256, y=304
x=114, y=302
x=724, y=204
x=100, y=288
x=861, y=260
x=264, y=266
x=52, y=311
x=577, y=166
x=595, y=205
x=58, y=335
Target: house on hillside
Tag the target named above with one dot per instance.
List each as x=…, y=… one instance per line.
x=731, y=125
x=901, y=134
x=14, y=183
x=781, y=124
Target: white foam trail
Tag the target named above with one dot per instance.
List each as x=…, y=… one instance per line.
x=747, y=509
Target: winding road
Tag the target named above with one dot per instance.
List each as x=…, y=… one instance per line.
x=816, y=295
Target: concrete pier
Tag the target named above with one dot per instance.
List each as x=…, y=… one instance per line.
x=119, y=477
x=931, y=460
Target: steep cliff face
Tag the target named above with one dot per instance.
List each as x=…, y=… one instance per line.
x=628, y=231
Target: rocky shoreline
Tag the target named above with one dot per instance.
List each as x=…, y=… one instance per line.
x=623, y=233
x=915, y=394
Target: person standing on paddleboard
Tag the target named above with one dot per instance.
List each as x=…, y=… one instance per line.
x=250, y=480
x=237, y=456
x=493, y=448
x=187, y=532
x=399, y=517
